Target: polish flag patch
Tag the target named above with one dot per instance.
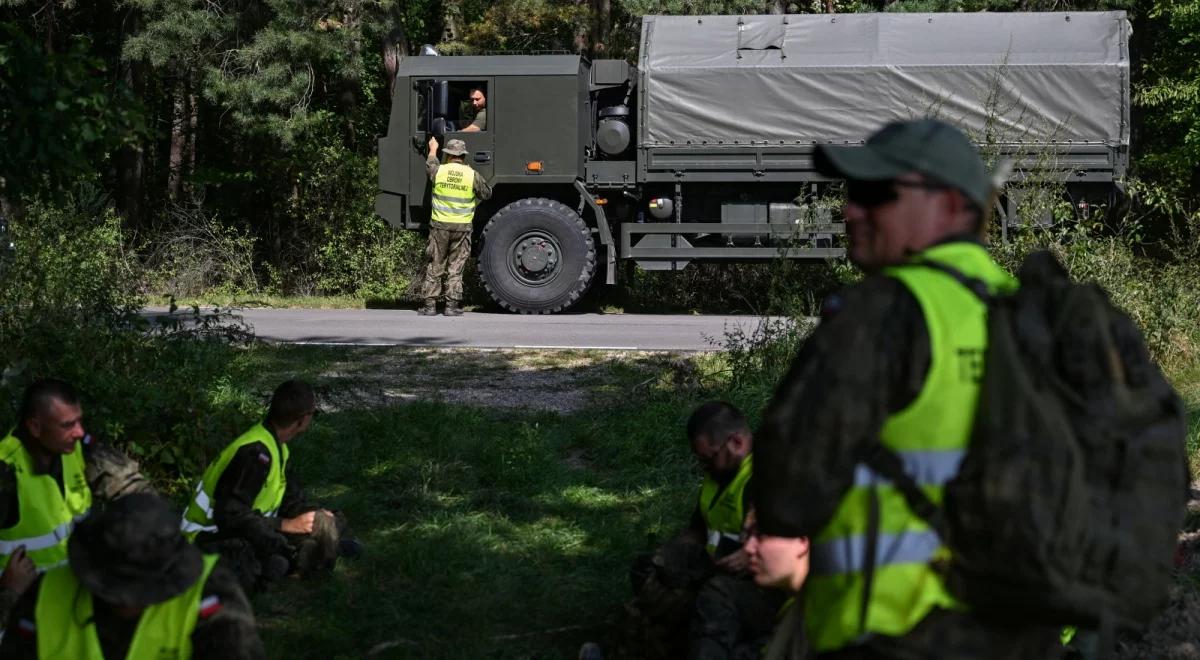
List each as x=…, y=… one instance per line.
x=27, y=628
x=210, y=606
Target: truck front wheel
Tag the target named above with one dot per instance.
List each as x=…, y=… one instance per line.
x=536, y=256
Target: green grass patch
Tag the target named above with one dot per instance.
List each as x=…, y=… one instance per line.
x=489, y=534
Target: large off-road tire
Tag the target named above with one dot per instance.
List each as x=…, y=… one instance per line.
x=536, y=256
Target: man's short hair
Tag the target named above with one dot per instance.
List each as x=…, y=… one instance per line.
x=292, y=400
x=476, y=89
x=715, y=421
x=41, y=393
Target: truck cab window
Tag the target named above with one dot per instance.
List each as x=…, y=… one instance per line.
x=471, y=108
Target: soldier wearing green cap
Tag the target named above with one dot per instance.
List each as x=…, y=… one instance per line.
x=134, y=588
x=896, y=362
x=457, y=189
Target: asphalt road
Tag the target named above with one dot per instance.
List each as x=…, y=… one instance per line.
x=387, y=327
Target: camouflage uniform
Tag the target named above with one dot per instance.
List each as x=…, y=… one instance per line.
x=866, y=361
x=449, y=245
x=253, y=544
x=682, y=607
x=110, y=474
x=665, y=585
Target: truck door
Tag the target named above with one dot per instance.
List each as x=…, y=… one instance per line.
x=444, y=108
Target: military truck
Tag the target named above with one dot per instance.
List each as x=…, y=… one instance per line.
x=703, y=151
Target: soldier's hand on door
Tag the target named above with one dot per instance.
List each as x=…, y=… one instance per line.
x=433, y=146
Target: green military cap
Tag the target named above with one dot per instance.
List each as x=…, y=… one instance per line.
x=926, y=146
x=455, y=147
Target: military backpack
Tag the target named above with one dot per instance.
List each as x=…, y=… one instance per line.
x=1068, y=503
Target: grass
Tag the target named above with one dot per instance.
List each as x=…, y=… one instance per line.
x=486, y=531
x=1186, y=379
x=490, y=533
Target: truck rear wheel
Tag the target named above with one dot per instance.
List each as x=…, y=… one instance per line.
x=537, y=256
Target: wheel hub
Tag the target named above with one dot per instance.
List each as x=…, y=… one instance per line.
x=535, y=258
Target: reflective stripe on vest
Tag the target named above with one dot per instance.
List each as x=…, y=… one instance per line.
x=46, y=517
x=65, y=629
x=927, y=468
x=930, y=436
x=453, y=198
x=722, y=507
x=199, y=515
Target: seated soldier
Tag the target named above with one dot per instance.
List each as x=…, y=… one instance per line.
x=249, y=506
x=699, y=581
x=134, y=587
x=780, y=562
x=50, y=471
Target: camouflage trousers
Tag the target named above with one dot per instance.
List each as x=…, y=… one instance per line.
x=305, y=554
x=733, y=618
x=681, y=608
x=446, y=255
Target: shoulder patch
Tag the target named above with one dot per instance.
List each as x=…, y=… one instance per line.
x=26, y=628
x=264, y=458
x=210, y=606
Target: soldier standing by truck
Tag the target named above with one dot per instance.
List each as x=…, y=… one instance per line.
x=457, y=188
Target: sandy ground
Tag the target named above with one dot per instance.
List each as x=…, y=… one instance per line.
x=551, y=381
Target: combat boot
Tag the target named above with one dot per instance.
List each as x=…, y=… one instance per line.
x=430, y=307
x=452, y=308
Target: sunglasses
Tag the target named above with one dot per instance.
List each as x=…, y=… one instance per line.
x=870, y=194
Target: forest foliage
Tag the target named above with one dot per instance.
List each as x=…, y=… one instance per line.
x=248, y=128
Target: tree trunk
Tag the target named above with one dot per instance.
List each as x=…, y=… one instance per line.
x=189, y=151
x=451, y=21
x=395, y=49
x=584, y=29
x=350, y=84
x=131, y=160
x=179, y=121
x=601, y=21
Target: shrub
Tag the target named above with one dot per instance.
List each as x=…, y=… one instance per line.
x=195, y=253
x=165, y=394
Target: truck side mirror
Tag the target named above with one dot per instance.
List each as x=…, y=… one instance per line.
x=438, y=126
x=439, y=98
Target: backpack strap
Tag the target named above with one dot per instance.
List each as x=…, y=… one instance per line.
x=972, y=284
x=885, y=461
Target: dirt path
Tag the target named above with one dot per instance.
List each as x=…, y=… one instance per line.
x=553, y=381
